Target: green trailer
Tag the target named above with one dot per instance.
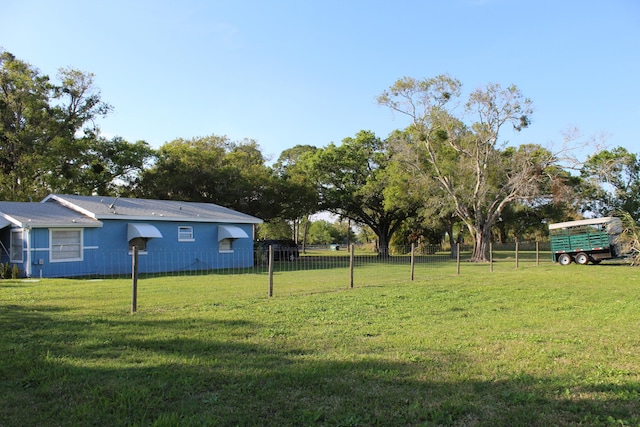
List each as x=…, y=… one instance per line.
x=584, y=241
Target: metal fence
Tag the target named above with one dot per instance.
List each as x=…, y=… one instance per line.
x=409, y=261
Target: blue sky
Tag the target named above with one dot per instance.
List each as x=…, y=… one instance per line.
x=307, y=72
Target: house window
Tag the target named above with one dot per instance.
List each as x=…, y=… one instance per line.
x=16, y=246
x=225, y=245
x=139, y=234
x=140, y=243
x=66, y=245
x=185, y=234
x=227, y=234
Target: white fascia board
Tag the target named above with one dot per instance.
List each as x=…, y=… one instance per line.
x=69, y=205
x=11, y=219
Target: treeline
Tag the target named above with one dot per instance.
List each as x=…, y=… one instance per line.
x=447, y=173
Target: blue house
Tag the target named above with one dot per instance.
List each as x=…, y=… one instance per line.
x=66, y=235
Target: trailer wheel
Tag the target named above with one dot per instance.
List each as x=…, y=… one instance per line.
x=564, y=259
x=582, y=258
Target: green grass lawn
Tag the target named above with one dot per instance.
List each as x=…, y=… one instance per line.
x=533, y=346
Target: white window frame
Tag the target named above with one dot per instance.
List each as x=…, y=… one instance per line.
x=52, y=247
x=185, y=233
x=14, y=246
x=225, y=246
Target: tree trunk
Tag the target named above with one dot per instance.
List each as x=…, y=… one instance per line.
x=305, y=234
x=502, y=228
x=452, y=240
x=481, y=237
x=383, y=246
x=384, y=236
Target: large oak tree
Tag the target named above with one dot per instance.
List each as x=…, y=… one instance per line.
x=358, y=180
x=467, y=160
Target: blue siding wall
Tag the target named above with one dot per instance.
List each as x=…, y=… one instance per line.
x=106, y=251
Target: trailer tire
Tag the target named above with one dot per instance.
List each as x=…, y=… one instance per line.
x=582, y=258
x=564, y=259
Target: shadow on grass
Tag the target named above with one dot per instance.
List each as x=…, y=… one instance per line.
x=132, y=371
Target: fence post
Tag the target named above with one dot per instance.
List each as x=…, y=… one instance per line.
x=134, y=279
x=491, y=257
x=517, y=253
x=537, y=252
x=413, y=260
x=270, y=270
x=458, y=257
x=351, y=264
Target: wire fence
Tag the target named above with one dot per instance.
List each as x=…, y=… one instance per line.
x=362, y=266
x=406, y=262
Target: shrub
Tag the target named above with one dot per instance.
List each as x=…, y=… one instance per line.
x=5, y=271
x=15, y=272
x=630, y=237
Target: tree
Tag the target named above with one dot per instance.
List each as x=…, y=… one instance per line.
x=322, y=232
x=113, y=166
x=355, y=180
x=611, y=182
x=72, y=133
x=630, y=237
x=24, y=126
x=213, y=169
x=251, y=186
x=274, y=229
x=185, y=170
x=296, y=192
x=436, y=216
x=468, y=162
x=49, y=139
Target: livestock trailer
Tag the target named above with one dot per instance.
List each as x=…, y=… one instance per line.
x=584, y=241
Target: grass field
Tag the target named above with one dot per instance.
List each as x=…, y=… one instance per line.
x=534, y=346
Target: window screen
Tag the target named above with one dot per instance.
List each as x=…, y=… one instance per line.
x=185, y=234
x=16, y=246
x=66, y=245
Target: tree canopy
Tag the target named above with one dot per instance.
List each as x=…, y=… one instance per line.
x=450, y=168
x=467, y=161
x=356, y=180
x=49, y=139
x=611, y=182
x=212, y=169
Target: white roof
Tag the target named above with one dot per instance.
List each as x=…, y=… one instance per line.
x=107, y=207
x=33, y=214
x=591, y=221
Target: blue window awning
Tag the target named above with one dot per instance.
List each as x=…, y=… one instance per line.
x=146, y=231
x=231, y=232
